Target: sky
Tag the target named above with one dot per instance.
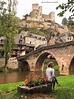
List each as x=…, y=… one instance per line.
x=25, y=7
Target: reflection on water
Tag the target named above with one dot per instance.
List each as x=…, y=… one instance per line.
x=16, y=76
x=12, y=77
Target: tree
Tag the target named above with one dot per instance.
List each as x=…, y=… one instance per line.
x=25, y=16
x=69, y=6
x=64, y=21
x=8, y=27
x=71, y=24
x=70, y=21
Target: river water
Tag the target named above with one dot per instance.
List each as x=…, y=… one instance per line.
x=17, y=76
x=12, y=77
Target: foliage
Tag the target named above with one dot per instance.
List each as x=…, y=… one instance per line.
x=25, y=16
x=34, y=80
x=71, y=28
x=28, y=21
x=1, y=69
x=33, y=14
x=70, y=22
x=35, y=30
x=56, y=67
x=8, y=26
x=48, y=33
x=69, y=6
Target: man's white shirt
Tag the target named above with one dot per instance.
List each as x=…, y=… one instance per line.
x=50, y=73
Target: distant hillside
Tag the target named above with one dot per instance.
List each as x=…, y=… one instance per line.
x=41, y=27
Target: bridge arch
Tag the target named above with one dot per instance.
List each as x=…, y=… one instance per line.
x=24, y=66
x=71, y=66
x=40, y=60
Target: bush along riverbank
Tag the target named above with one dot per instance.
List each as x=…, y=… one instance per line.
x=65, y=91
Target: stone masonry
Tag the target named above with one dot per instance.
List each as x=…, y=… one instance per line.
x=64, y=55
x=36, y=14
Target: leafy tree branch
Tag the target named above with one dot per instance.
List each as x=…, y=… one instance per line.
x=69, y=6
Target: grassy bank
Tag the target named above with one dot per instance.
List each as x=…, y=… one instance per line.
x=65, y=91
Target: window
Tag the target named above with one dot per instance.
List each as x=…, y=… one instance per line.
x=62, y=67
x=2, y=41
x=20, y=41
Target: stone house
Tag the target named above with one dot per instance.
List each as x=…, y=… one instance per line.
x=34, y=39
x=65, y=37
x=25, y=43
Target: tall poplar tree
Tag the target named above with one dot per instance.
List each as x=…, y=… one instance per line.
x=8, y=26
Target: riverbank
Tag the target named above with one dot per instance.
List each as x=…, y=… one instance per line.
x=65, y=91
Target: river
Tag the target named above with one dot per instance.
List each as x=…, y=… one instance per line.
x=12, y=77
x=16, y=76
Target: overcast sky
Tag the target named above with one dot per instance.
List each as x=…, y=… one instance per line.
x=25, y=7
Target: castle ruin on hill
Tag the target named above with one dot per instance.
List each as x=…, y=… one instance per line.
x=36, y=14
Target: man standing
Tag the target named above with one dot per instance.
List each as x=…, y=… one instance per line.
x=50, y=74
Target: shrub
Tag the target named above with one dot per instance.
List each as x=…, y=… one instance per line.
x=34, y=80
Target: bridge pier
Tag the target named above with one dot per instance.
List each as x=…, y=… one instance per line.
x=32, y=64
x=64, y=63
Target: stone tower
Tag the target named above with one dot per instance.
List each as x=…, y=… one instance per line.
x=34, y=6
x=36, y=14
x=40, y=11
x=52, y=16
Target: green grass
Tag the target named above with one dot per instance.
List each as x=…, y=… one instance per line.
x=65, y=91
x=66, y=81
x=10, y=86
x=9, y=91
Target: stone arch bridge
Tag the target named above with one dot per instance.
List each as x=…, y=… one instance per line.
x=63, y=54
